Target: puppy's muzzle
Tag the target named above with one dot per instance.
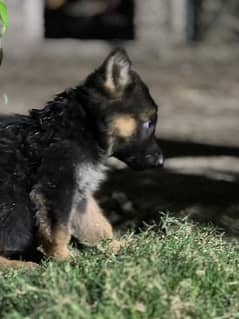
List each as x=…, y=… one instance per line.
x=154, y=160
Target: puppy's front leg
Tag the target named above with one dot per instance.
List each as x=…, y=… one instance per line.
x=53, y=231
x=52, y=196
x=90, y=226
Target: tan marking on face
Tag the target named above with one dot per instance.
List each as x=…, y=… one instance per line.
x=124, y=126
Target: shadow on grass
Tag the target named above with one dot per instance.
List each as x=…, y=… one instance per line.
x=131, y=198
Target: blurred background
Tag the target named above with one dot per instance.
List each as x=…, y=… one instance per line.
x=187, y=51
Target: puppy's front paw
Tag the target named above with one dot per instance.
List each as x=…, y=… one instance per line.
x=31, y=266
x=56, y=253
x=116, y=245
x=61, y=255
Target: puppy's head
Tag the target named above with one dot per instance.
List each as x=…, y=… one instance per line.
x=127, y=111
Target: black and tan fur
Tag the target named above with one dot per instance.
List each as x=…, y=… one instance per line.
x=53, y=160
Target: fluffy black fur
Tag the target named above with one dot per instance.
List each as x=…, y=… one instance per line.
x=42, y=151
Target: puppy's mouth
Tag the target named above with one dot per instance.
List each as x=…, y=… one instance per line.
x=144, y=162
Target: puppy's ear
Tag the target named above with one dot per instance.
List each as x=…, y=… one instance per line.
x=116, y=69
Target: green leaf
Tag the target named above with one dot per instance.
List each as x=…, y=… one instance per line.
x=3, y=17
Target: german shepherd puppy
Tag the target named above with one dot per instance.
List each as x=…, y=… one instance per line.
x=53, y=160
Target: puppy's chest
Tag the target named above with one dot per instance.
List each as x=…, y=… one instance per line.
x=88, y=178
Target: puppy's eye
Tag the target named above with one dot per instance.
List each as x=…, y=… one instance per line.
x=148, y=124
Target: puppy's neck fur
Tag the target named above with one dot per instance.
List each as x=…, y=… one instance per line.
x=69, y=116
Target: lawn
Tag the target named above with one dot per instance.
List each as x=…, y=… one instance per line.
x=182, y=271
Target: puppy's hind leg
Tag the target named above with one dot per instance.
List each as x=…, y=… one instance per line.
x=16, y=264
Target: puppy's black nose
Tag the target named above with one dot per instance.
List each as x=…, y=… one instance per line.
x=160, y=161
x=154, y=160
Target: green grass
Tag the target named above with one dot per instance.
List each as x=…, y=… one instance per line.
x=187, y=271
